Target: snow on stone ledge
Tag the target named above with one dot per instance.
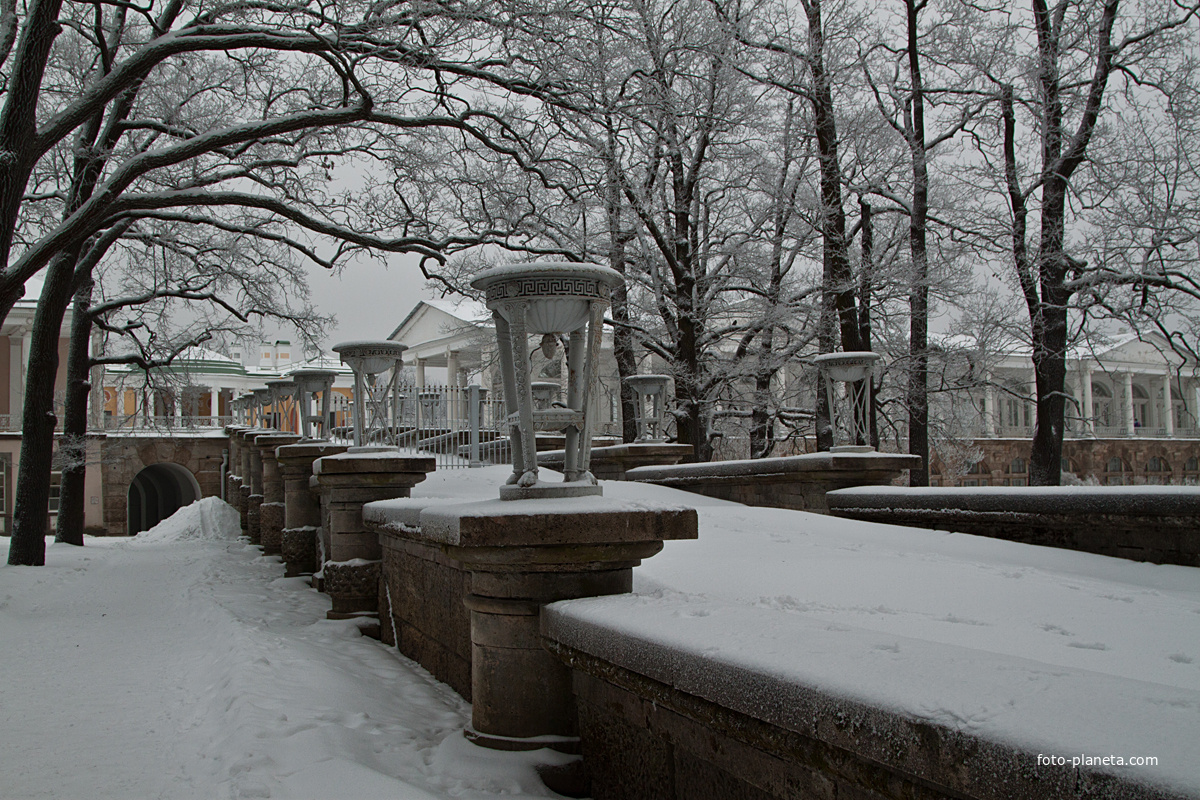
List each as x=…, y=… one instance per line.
x=793, y=671
x=1126, y=500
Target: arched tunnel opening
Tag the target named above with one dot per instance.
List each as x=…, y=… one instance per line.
x=156, y=493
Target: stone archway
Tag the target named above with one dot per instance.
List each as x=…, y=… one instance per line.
x=143, y=472
x=157, y=492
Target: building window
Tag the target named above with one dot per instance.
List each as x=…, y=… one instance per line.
x=1141, y=407
x=975, y=474
x=1158, y=471
x=1117, y=472
x=1016, y=473
x=1102, y=405
x=1191, y=471
x=55, y=491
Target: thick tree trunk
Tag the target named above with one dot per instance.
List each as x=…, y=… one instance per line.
x=73, y=445
x=624, y=347
x=1050, y=373
x=917, y=394
x=839, y=313
x=865, y=292
x=31, y=510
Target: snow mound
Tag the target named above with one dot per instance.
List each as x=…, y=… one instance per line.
x=208, y=519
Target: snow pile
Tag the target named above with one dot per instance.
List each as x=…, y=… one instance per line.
x=208, y=519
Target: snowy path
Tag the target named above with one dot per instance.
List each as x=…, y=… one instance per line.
x=181, y=664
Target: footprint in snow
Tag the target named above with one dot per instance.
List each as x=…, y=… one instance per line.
x=1180, y=658
x=1088, y=645
x=1050, y=628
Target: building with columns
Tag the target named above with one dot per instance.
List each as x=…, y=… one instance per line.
x=15, y=337
x=452, y=343
x=1132, y=417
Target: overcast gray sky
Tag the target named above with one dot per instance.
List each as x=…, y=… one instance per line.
x=368, y=298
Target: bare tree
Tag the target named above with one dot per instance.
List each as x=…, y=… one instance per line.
x=1080, y=47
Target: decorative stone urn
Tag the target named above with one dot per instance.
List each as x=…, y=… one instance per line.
x=851, y=416
x=262, y=401
x=651, y=391
x=283, y=393
x=374, y=423
x=309, y=384
x=548, y=299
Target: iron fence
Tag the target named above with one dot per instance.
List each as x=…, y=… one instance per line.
x=461, y=426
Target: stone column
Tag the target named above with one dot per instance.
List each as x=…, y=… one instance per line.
x=1089, y=413
x=991, y=414
x=1127, y=410
x=301, y=506
x=420, y=373
x=1168, y=405
x=350, y=571
x=214, y=405
x=453, y=407
x=271, y=511
x=1196, y=404
x=16, y=380
x=521, y=555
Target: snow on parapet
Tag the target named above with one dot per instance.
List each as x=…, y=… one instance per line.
x=208, y=519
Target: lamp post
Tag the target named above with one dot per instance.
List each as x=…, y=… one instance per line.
x=852, y=368
x=372, y=420
x=310, y=383
x=651, y=391
x=550, y=299
x=281, y=391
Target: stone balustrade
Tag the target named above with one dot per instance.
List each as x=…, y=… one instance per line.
x=796, y=482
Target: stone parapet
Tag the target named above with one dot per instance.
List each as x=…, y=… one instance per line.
x=243, y=507
x=346, y=481
x=298, y=548
x=270, y=526
x=519, y=555
x=254, y=518
x=1159, y=524
x=674, y=707
x=422, y=605
x=302, y=505
x=353, y=586
x=610, y=463
x=796, y=482
x=271, y=518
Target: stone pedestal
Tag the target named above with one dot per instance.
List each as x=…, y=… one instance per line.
x=254, y=499
x=521, y=555
x=271, y=512
x=352, y=553
x=301, y=506
x=242, y=500
x=233, y=466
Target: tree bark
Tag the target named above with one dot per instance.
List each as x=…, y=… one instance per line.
x=624, y=348
x=917, y=394
x=31, y=510
x=69, y=526
x=839, y=314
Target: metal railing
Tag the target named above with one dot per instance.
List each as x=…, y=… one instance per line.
x=459, y=425
x=165, y=422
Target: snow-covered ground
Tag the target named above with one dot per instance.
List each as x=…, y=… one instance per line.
x=182, y=664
